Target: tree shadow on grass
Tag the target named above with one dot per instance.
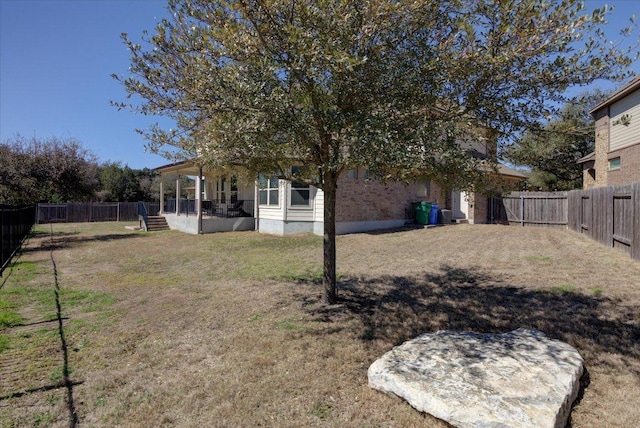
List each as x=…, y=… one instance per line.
x=398, y=308
x=60, y=240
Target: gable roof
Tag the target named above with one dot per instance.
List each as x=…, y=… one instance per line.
x=630, y=87
x=510, y=172
x=183, y=168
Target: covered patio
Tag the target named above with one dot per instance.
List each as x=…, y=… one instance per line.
x=215, y=203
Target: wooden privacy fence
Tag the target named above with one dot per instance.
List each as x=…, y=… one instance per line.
x=548, y=209
x=608, y=215
x=87, y=212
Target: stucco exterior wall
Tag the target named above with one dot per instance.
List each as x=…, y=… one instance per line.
x=189, y=224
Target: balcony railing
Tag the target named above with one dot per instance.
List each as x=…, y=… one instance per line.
x=212, y=208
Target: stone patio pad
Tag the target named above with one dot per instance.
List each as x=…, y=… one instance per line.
x=516, y=379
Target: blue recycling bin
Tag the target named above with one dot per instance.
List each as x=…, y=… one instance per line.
x=433, y=215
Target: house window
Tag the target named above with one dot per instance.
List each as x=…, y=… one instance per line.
x=614, y=163
x=269, y=190
x=368, y=176
x=221, y=193
x=352, y=173
x=424, y=189
x=234, y=189
x=300, y=192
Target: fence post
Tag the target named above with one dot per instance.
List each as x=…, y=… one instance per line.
x=635, y=226
x=522, y=210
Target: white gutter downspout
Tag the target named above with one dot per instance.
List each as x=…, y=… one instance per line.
x=161, y=193
x=178, y=195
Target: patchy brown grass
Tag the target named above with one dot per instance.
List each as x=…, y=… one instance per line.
x=170, y=329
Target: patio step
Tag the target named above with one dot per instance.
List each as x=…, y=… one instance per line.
x=156, y=222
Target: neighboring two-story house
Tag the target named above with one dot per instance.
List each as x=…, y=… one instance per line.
x=616, y=159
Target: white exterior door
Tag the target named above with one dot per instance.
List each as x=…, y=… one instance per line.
x=459, y=205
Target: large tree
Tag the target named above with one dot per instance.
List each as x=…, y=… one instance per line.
x=46, y=170
x=553, y=149
x=399, y=87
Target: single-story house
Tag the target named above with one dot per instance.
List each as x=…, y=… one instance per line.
x=281, y=207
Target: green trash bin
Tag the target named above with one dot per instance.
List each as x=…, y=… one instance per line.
x=422, y=210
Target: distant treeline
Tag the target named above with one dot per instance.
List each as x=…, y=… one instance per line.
x=36, y=170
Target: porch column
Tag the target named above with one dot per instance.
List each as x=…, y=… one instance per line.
x=178, y=195
x=256, y=205
x=199, y=200
x=161, y=193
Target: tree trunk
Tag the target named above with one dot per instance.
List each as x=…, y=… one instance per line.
x=329, y=244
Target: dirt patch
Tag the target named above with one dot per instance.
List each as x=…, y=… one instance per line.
x=170, y=329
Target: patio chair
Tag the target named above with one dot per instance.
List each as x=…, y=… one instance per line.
x=236, y=209
x=207, y=207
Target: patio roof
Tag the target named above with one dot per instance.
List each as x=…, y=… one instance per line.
x=180, y=168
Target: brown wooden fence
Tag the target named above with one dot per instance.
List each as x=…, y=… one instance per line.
x=608, y=215
x=87, y=212
x=545, y=209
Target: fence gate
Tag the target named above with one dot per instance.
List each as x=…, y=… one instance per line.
x=622, y=227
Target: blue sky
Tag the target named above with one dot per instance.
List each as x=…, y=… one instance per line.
x=56, y=58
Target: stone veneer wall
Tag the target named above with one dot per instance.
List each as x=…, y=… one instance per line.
x=588, y=180
x=601, y=164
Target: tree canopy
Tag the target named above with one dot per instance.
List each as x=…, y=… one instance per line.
x=403, y=88
x=552, y=151
x=56, y=169
x=122, y=183
x=50, y=170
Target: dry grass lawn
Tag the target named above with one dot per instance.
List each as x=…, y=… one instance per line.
x=170, y=329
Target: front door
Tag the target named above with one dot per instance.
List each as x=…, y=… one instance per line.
x=459, y=205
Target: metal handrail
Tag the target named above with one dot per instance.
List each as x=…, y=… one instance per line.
x=213, y=208
x=143, y=216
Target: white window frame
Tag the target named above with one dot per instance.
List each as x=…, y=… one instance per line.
x=271, y=187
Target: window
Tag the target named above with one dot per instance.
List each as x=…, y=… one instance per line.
x=614, y=163
x=234, y=189
x=424, y=189
x=269, y=190
x=300, y=192
x=352, y=173
x=368, y=176
x=221, y=193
